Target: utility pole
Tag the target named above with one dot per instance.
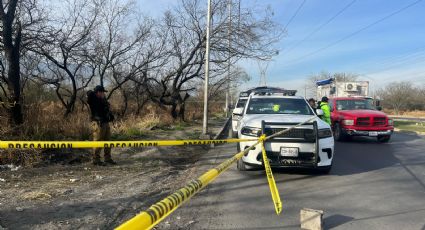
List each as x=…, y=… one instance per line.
x=207, y=69
x=229, y=58
x=262, y=66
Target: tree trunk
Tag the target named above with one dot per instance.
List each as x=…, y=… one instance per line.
x=71, y=103
x=14, y=86
x=12, y=53
x=125, y=102
x=174, y=113
x=182, y=111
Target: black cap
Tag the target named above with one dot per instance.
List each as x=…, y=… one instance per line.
x=325, y=99
x=99, y=88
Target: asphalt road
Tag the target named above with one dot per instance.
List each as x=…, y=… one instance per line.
x=371, y=186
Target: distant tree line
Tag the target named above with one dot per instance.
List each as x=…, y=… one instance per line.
x=402, y=96
x=69, y=46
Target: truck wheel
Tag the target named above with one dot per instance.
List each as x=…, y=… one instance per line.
x=338, y=134
x=241, y=165
x=324, y=169
x=384, y=139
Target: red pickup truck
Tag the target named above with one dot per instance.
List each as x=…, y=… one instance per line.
x=356, y=116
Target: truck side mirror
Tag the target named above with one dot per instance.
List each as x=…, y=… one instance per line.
x=319, y=112
x=238, y=111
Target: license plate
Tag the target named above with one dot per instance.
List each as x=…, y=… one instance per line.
x=373, y=134
x=288, y=152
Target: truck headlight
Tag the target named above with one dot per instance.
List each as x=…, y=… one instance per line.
x=236, y=117
x=348, y=122
x=251, y=131
x=325, y=133
x=390, y=122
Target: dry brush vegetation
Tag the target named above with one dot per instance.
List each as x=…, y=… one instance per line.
x=153, y=68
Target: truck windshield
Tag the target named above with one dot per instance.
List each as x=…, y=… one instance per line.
x=278, y=106
x=353, y=105
x=241, y=103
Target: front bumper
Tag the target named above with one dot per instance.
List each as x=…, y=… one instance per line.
x=305, y=157
x=373, y=133
x=312, y=153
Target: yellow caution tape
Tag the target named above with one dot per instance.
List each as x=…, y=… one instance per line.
x=157, y=212
x=272, y=184
x=110, y=144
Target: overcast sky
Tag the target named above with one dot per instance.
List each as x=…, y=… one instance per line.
x=383, y=40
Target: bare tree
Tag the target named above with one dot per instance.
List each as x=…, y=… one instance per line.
x=251, y=37
x=65, y=48
x=19, y=20
x=218, y=84
x=397, y=95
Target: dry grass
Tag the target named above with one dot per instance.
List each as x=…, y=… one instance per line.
x=414, y=113
x=45, y=122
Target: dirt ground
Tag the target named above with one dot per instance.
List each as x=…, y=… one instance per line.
x=83, y=196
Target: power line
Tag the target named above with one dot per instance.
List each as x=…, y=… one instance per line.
x=323, y=25
x=391, y=62
x=355, y=32
x=294, y=15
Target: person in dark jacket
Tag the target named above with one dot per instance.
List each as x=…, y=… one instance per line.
x=312, y=103
x=101, y=115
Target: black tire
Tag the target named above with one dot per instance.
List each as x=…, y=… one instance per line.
x=324, y=169
x=383, y=139
x=338, y=134
x=241, y=165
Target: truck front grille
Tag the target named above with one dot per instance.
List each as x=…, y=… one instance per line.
x=363, y=121
x=304, y=159
x=379, y=121
x=306, y=134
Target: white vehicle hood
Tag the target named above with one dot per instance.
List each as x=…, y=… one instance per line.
x=254, y=120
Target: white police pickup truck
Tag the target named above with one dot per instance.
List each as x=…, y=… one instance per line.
x=308, y=146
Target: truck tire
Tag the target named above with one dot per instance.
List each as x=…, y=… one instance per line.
x=338, y=134
x=324, y=169
x=241, y=165
x=384, y=139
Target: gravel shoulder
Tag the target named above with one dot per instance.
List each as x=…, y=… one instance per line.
x=82, y=196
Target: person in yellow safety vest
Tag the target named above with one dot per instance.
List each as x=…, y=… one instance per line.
x=324, y=106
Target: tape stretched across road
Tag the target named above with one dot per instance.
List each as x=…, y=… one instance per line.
x=109, y=144
x=157, y=212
